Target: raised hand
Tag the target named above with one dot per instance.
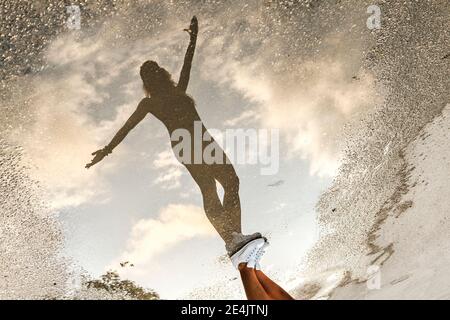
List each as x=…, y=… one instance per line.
x=193, y=28
x=98, y=156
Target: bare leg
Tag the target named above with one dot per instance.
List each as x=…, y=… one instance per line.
x=253, y=288
x=215, y=212
x=227, y=177
x=232, y=206
x=271, y=288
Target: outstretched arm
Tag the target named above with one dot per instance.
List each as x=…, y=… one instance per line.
x=186, y=70
x=137, y=116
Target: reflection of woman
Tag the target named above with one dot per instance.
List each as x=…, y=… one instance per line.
x=169, y=103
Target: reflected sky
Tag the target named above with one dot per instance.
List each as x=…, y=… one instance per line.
x=280, y=206
x=287, y=66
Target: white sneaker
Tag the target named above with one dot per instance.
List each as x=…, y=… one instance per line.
x=247, y=252
x=254, y=260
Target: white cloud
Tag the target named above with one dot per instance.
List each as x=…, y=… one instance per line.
x=247, y=115
x=309, y=98
x=310, y=112
x=71, y=113
x=150, y=237
x=170, y=170
x=60, y=140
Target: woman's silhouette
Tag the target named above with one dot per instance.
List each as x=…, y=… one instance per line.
x=169, y=103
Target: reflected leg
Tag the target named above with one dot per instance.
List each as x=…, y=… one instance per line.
x=211, y=203
x=227, y=177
